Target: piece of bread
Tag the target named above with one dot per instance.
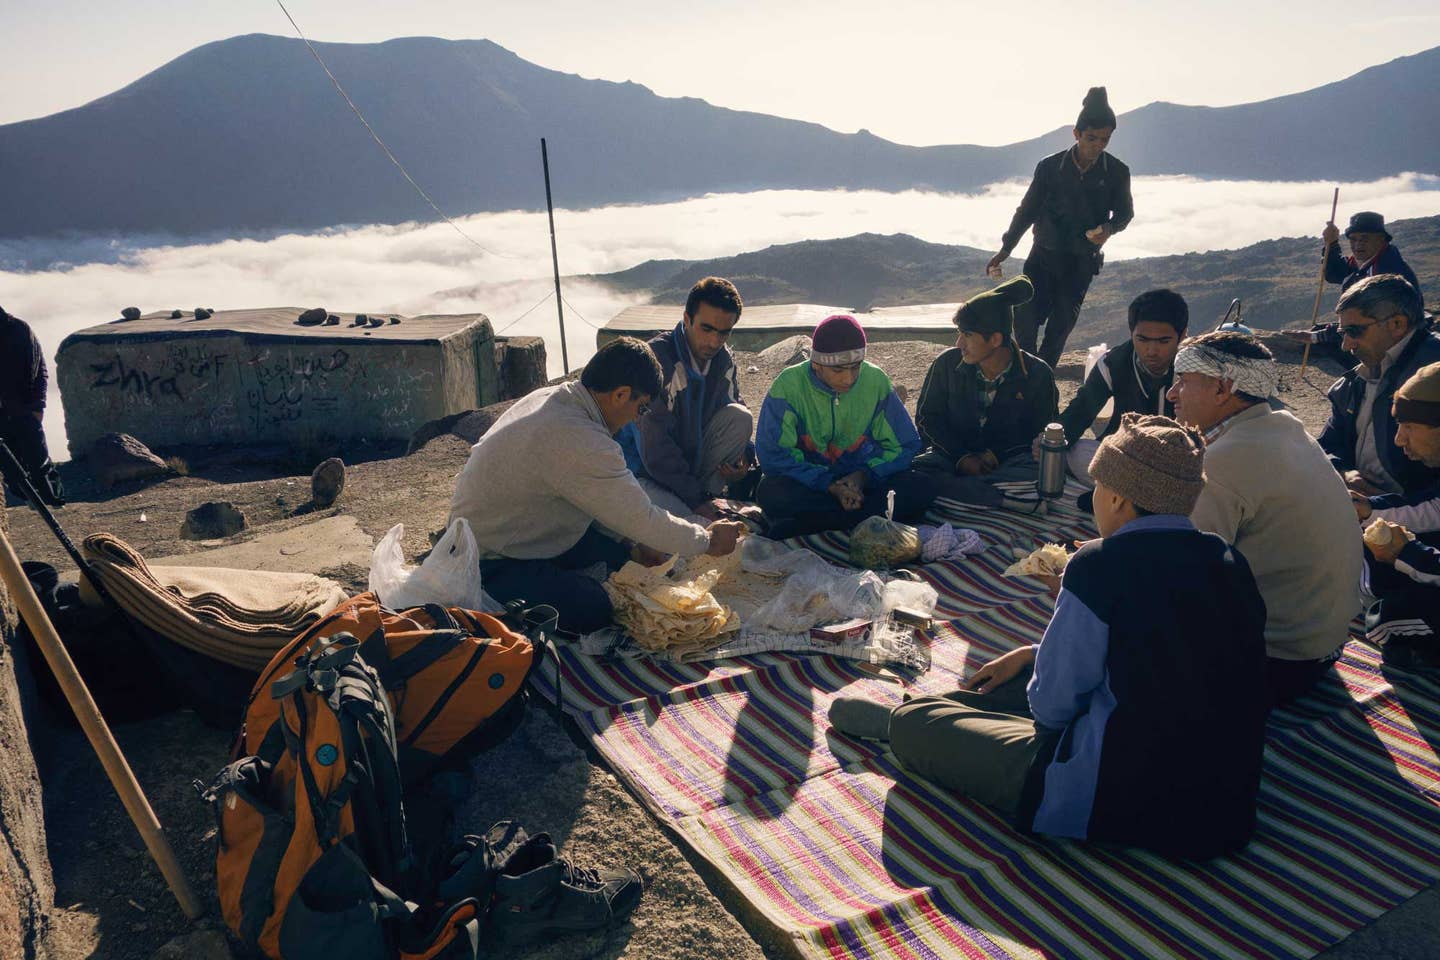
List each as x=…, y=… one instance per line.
x=1048, y=560
x=1378, y=534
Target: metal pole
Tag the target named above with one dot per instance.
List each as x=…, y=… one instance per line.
x=555, y=258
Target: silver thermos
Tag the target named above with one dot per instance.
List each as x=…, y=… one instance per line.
x=1051, y=481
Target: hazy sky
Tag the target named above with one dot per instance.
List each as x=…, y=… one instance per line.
x=914, y=71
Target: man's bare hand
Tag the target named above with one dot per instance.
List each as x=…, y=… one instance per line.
x=1389, y=552
x=969, y=465
x=647, y=556
x=1052, y=582
x=992, y=269
x=1331, y=234
x=1100, y=234
x=1359, y=484
x=1298, y=336
x=1361, y=503
x=733, y=471
x=724, y=534
x=999, y=670
x=847, y=496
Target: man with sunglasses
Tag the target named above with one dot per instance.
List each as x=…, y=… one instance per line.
x=1382, y=324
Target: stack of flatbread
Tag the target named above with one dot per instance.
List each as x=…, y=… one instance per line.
x=1048, y=560
x=669, y=616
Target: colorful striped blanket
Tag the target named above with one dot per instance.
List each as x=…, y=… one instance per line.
x=851, y=858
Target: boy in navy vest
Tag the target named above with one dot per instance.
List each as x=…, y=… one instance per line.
x=1139, y=717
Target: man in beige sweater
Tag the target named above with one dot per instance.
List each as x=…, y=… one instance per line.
x=548, y=475
x=1271, y=492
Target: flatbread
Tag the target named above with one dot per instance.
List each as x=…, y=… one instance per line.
x=1048, y=560
x=1378, y=534
x=676, y=617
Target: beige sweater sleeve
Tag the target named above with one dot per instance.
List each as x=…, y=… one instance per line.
x=593, y=477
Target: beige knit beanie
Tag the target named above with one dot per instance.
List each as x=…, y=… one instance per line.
x=1154, y=462
x=1418, y=399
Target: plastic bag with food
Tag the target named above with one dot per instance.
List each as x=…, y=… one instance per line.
x=879, y=544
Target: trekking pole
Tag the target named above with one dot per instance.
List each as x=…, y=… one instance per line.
x=1320, y=291
x=96, y=730
x=555, y=258
x=11, y=467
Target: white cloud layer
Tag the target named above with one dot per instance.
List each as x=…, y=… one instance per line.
x=403, y=268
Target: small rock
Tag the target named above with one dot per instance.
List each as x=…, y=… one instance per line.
x=212, y=521
x=131, y=313
x=332, y=321
x=376, y=321
x=117, y=457
x=394, y=319
x=361, y=318
x=203, y=313
x=176, y=314
x=313, y=317
x=752, y=369
x=327, y=481
x=200, y=945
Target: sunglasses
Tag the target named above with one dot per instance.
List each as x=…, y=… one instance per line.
x=1356, y=330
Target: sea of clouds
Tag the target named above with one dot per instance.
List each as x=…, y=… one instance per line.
x=503, y=269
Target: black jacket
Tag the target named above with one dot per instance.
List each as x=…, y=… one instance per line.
x=1062, y=203
x=948, y=412
x=1114, y=376
x=1348, y=393
x=23, y=374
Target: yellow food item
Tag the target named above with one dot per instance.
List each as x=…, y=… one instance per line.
x=677, y=617
x=1378, y=534
x=1048, y=560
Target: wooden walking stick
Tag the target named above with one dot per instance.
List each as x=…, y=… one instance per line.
x=1320, y=291
x=98, y=733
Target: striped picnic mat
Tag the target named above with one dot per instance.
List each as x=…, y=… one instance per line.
x=845, y=854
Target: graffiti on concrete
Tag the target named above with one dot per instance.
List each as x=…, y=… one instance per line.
x=115, y=374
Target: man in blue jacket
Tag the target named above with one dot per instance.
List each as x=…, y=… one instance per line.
x=696, y=438
x=1139, y=718
x=1383, y=326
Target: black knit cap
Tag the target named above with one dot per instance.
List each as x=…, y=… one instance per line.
x=993, y=311
x=1095, y=112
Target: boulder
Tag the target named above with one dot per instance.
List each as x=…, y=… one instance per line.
x=130, y=313
x=176, y=314
x=469, y=426
x=327, y=481
x=313, y=317
x=200, y=945
x=789, y=351
x=117, y=457
x=332, y=321
x=203, y=313
x=214, y=520
x=521, y=361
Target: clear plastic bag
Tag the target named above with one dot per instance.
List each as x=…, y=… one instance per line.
x=449, y=576
x=824, y=594
x=879, y=544
x=912, y=595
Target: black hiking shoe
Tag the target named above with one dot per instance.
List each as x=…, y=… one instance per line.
x=538, y=894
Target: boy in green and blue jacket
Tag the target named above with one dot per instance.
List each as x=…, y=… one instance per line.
x=834, y=439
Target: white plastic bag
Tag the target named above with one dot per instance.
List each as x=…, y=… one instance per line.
x=449, y=576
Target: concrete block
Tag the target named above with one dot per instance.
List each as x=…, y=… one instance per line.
x=253, y=377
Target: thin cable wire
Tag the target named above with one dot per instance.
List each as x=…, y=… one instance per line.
x=526, y=313
x=577, y=313
x=381, y=143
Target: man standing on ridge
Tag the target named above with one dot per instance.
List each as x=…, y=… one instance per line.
x=1079, y=198
x=23, y=381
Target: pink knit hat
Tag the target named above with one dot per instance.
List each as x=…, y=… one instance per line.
x=838, y=341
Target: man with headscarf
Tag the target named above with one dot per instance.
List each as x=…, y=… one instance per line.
x=23, y=382
x=1079, y=198
x=1270, y=492
x=982, y=402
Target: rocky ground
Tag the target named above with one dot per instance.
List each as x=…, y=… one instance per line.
x=112, y=901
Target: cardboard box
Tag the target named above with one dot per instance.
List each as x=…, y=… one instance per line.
x=842, y=632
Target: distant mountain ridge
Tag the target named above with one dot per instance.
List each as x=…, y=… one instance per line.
x=247, y=134
x=1275, y=279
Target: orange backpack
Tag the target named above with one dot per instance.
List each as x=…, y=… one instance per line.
x=456, y=678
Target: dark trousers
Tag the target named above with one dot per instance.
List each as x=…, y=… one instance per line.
x=1405, y=619
x=1287, y=679
x=582, y=603
x=979, y=490
x=1061, y=281
x=794, y=509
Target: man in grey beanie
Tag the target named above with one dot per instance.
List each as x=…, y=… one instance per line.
x=1151, y=673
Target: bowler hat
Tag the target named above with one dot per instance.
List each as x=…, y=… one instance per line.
x=1367, y=221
